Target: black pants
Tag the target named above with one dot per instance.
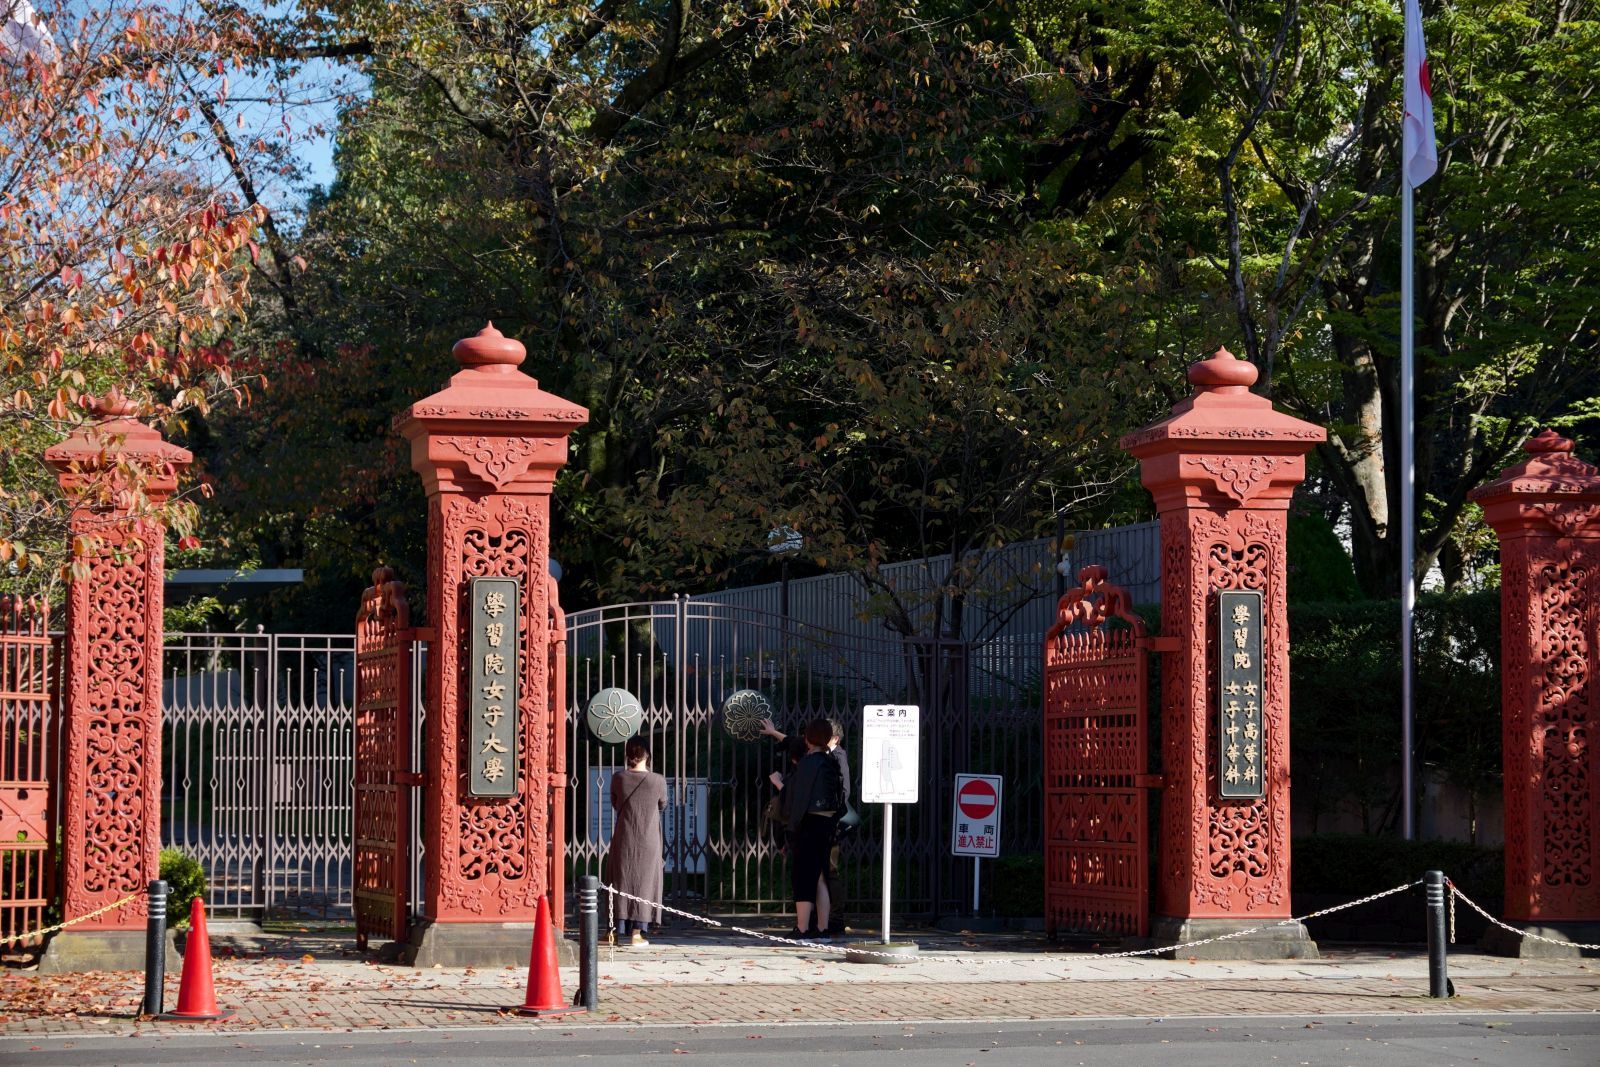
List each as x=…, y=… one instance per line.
x=835, y=889
x=809, y=859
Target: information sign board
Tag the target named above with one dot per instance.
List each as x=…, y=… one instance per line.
x=890, y=738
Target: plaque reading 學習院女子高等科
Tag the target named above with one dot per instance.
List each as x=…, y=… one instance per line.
x=493, y=669
x=1242, y=736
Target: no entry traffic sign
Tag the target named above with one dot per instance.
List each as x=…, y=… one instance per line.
x=977, y=799
x=975, y=829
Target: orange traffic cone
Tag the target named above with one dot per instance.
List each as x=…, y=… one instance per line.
x=544, y=978
x=197, y=1001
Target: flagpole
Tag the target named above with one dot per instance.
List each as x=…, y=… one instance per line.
x=1408, y=511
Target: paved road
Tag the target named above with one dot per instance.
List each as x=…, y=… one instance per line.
x=1544, y=1040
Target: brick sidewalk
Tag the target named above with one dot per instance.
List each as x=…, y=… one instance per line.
x=280, y=994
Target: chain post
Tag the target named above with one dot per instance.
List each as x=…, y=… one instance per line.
x=1438, y=965
x=588, y=996
x=155, y=949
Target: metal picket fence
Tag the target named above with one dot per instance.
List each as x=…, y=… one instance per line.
x=256, y=767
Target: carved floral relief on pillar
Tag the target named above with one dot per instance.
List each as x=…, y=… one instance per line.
x=495, y=846
x=1248, y=840
x=1223, y=496
x=489, y=471
x=111, y=756
x=1543, y=510
x=1560, y=738
x=111, y=828
x=1181, y=745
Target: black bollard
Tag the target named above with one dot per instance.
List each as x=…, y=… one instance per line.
x=588, y=996
x=155, y=950
x=1438, y=969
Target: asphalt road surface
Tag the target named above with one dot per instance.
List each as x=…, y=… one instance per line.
x=1546, y=1040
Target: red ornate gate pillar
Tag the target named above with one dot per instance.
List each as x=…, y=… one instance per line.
x=111, y=748
x=488, y=447
x=1222, y=468
x=1544, y=511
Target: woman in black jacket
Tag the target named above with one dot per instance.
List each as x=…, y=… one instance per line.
x=812, y=801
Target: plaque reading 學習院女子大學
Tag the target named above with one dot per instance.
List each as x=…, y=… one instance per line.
x=493, y=669
x=1242, y=736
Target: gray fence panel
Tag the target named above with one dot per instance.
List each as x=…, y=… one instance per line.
x=1013, y=593
x=256, y=767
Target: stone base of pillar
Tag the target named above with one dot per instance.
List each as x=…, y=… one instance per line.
x=477, y=945
x=1272, y=942
x=72, y=951
x=1505, y=943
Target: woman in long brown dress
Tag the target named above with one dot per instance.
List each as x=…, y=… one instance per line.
x=634, y=861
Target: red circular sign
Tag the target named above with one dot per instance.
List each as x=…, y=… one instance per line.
x=977, y=799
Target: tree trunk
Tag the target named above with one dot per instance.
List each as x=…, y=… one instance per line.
x=1366, y=470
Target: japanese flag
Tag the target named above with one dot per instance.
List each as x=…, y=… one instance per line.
x=1419, y=155
x=24, y=32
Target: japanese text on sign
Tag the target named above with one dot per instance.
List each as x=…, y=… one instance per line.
x=975, y=825
x=890, y=738
x=492, y=673
x=1241, y=742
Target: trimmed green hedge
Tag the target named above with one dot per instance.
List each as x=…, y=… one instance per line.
x=1344, y=679
x=1354, y=865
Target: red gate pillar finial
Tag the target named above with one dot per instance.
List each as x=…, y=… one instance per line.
x=1544, y=511
x=488, y=447
x=1222, y=468
x=111, y=756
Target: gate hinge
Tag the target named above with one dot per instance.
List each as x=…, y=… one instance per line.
x=1150, y=781
x=1163, y=644
x=410, y=778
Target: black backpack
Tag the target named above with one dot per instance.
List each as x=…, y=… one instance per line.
x=827, y=792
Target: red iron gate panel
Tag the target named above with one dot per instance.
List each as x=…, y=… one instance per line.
x=1096, y=741
x=383, y=777
x=27, y=762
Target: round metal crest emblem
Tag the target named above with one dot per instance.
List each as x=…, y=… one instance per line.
x=614, y=715
x=742, y=713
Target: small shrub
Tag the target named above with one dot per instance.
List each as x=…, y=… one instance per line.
x=1013, y=886
x=185, y=879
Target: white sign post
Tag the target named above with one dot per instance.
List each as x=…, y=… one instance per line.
x=975, y=824
x=890, y=739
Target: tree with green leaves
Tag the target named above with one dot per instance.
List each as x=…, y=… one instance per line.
x=895, y=276
x=773, y=248
x=1300, y=144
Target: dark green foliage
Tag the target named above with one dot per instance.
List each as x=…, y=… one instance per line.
x=185, y=879
x=1319, y=568
x=1344, y=662
x=1013, y=886
x=1354, y=865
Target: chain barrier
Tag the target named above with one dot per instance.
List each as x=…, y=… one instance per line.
x=1456, y=892
x=113, y=906
x=822, y=946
